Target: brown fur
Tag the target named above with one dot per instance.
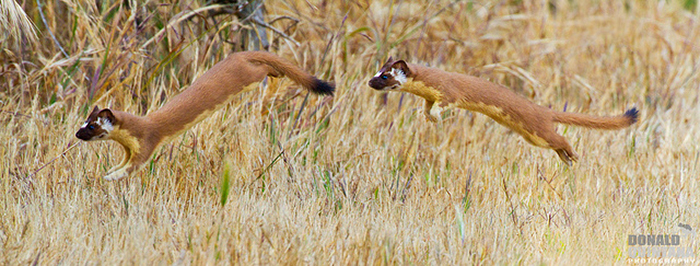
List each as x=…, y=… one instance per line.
x=535, y=123
x=140, y=136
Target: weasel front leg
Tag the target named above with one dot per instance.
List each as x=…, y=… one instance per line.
x=127, y=157
x=119, y=171
x=427, y=111
x=135, y=163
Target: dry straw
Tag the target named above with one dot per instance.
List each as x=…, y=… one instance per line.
x=277, y=177
x=14, y=22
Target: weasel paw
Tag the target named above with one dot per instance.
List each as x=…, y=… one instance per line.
x=116, y=175
x=433, y=114
x=431, y=118
x=568, y=157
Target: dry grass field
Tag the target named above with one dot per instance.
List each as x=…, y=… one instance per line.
x=361, y=177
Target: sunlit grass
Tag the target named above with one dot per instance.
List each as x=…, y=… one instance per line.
x=360, y=177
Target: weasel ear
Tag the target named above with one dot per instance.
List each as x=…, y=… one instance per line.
x=401, y=65
x=94, y=110
x=107, y=114
x=388, y=63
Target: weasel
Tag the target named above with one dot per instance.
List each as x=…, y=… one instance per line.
x=535, y=123
x=141, y=135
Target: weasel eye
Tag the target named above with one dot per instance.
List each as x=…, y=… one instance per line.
x=91, y=127
x=384, y=77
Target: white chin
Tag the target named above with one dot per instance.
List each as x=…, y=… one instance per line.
x=100, y=137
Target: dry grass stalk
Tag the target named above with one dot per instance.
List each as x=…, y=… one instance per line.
x=14, y=22
x=361, y=178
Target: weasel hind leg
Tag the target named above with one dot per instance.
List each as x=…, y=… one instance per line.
x=566, y=156
x=564, y=150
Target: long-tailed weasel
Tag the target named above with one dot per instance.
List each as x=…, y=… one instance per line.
x=141, y=135
x=535, y=123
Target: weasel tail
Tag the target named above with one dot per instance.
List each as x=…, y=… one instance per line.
x=610, y=123
x=140, y=136
x=535, y=123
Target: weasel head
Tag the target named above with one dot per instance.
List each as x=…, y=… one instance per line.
x=392, y=75
x=98, y=125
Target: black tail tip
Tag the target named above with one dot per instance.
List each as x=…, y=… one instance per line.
x=633, y=115
x=322, y=87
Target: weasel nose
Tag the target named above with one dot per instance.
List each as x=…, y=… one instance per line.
x=372, y=83
x=80, y=136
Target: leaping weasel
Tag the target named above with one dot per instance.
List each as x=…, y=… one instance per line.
x=535, y=123
x=141, y=135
